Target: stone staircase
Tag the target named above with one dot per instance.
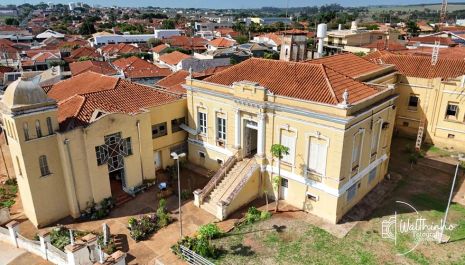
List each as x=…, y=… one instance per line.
x=228, y=185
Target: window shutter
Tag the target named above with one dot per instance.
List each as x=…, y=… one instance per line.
x=321, y=158
x=313, y=155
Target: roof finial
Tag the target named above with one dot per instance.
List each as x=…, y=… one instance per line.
x=190, y=72
x=345, y=100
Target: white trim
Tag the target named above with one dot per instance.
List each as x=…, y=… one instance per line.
x=293, y=155
x=323, y=187
x=380, y=121
x=450, y=130
x=362, y=132
x=408, y=118
x=315, y=124
x=317, y=135
x=453, y=92
x=211, y=147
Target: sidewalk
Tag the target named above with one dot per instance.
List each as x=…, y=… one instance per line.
x=16, y=256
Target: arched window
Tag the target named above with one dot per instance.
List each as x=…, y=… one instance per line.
x=49, y=125
x=19, y=167
x=44, y=170
x=38, y=131
x=26, y=131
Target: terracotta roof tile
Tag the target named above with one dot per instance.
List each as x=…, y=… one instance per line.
x=222, y=42
x=94, y=66
x=135, y=67
x=174, y=81
x=159, y=48
x=312, y=82
x=432, y=40
x=84, y=52
x=420, y=66
x=80, y=96
x=120, y=48
x=348, y=64
x=381, y=45
x=187, y=43
x=173, y=58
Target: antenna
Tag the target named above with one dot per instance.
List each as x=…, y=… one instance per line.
x=443, y=13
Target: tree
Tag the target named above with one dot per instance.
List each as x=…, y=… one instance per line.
x=241, y=39
x=278, y=151
x=87, y=28
x=168, y=24
x=413, y=28
x=11, y=21
x=271, y=55
x=153, y=42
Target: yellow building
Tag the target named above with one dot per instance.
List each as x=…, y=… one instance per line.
x=89, y=138
x=337, y=128
x=431, y=104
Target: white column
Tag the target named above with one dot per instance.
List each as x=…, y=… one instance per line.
x=237, y=139
x=261, y=135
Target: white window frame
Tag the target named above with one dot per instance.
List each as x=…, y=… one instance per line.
x=413, y=109
x=309, y=170
x=202, y=127
x=355, y=169
x=290, y=158
x=378, y=125
x=43, y=165
x=371, y=177
x=221, y=134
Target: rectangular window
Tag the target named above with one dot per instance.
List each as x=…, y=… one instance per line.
x=351, y=192
x=289, y=142
x=38, y=130
x=175, y=124
x=452, y=110
x=202, y=122
x=49, y=125
x=317, y=152
x=201, y=154
x=221, y=128
x=159, y=130
x=356, y=151
x=413, y=102
x=372, y=174
x=44, y=170
x=375, y=138
x=312, y=197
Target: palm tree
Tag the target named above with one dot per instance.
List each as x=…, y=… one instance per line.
x=278, y=151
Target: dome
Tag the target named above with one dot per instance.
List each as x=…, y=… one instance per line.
x=25, y=93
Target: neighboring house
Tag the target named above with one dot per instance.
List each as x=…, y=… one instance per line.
x=83, y=52
x=15, y=34
x=255, y=49
x=226, y=32
x=140, y=71
x=159, y=50
x=192, y=44
x=173, y=60
x=49, y=34
x=89, y=138
x=9, y=54
x=114, y=50
x=3, y=70
x=337, y=128
x=270, y=39
x=38, y=60
x=220, y=43
x=384, y=45
x=104, y=68
x=430, y=41
x=430, y=104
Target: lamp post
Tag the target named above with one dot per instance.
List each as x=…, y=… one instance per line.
x=177, y=157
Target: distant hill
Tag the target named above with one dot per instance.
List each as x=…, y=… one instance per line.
x=450, y=7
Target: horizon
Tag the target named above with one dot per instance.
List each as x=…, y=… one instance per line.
x=240, y=4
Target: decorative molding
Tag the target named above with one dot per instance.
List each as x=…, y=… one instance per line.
x=215, y=148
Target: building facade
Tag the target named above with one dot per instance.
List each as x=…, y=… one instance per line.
x=338, y=131
x=89, y=138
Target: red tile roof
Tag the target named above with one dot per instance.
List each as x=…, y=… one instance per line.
x=159, y=48
x=274, y=37
x=135, y=67
x=420, y=66
x=187, y=43
x=173, y=58
x=222, y=42
x=80, y=96
x=84, y=52
x=348, y=64
x=120, y=48
x=312, y=82
x=95, y=66
x=173, y=82
x=432, y=40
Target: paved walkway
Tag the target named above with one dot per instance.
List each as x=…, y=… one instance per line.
x=16, y=256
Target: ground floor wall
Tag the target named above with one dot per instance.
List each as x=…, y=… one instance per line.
x=210, y=157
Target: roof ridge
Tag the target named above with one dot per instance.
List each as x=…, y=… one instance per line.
x=331, y=89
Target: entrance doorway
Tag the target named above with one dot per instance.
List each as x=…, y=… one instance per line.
x=116, y=182
x=157, y=159
x=250, y=145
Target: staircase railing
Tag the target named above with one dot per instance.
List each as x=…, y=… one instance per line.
x=251, y=166
x=219, y=175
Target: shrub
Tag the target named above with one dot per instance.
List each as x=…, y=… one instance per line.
x=142, y=228
x=210, y=231
x=162, y=214
x=199, y=245
x=265, y=215
x=254, y=215
x=100, y=211
x=185, y=195
x=59, y=236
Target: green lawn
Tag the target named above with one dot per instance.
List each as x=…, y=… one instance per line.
x=287, y=238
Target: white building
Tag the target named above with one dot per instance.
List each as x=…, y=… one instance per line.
x=166, y=33
x=50, y=33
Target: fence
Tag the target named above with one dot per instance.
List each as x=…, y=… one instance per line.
x=193, y=258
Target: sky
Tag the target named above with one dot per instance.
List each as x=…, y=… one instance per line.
x=229, y=3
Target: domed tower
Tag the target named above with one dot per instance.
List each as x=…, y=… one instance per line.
x=30, y=122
